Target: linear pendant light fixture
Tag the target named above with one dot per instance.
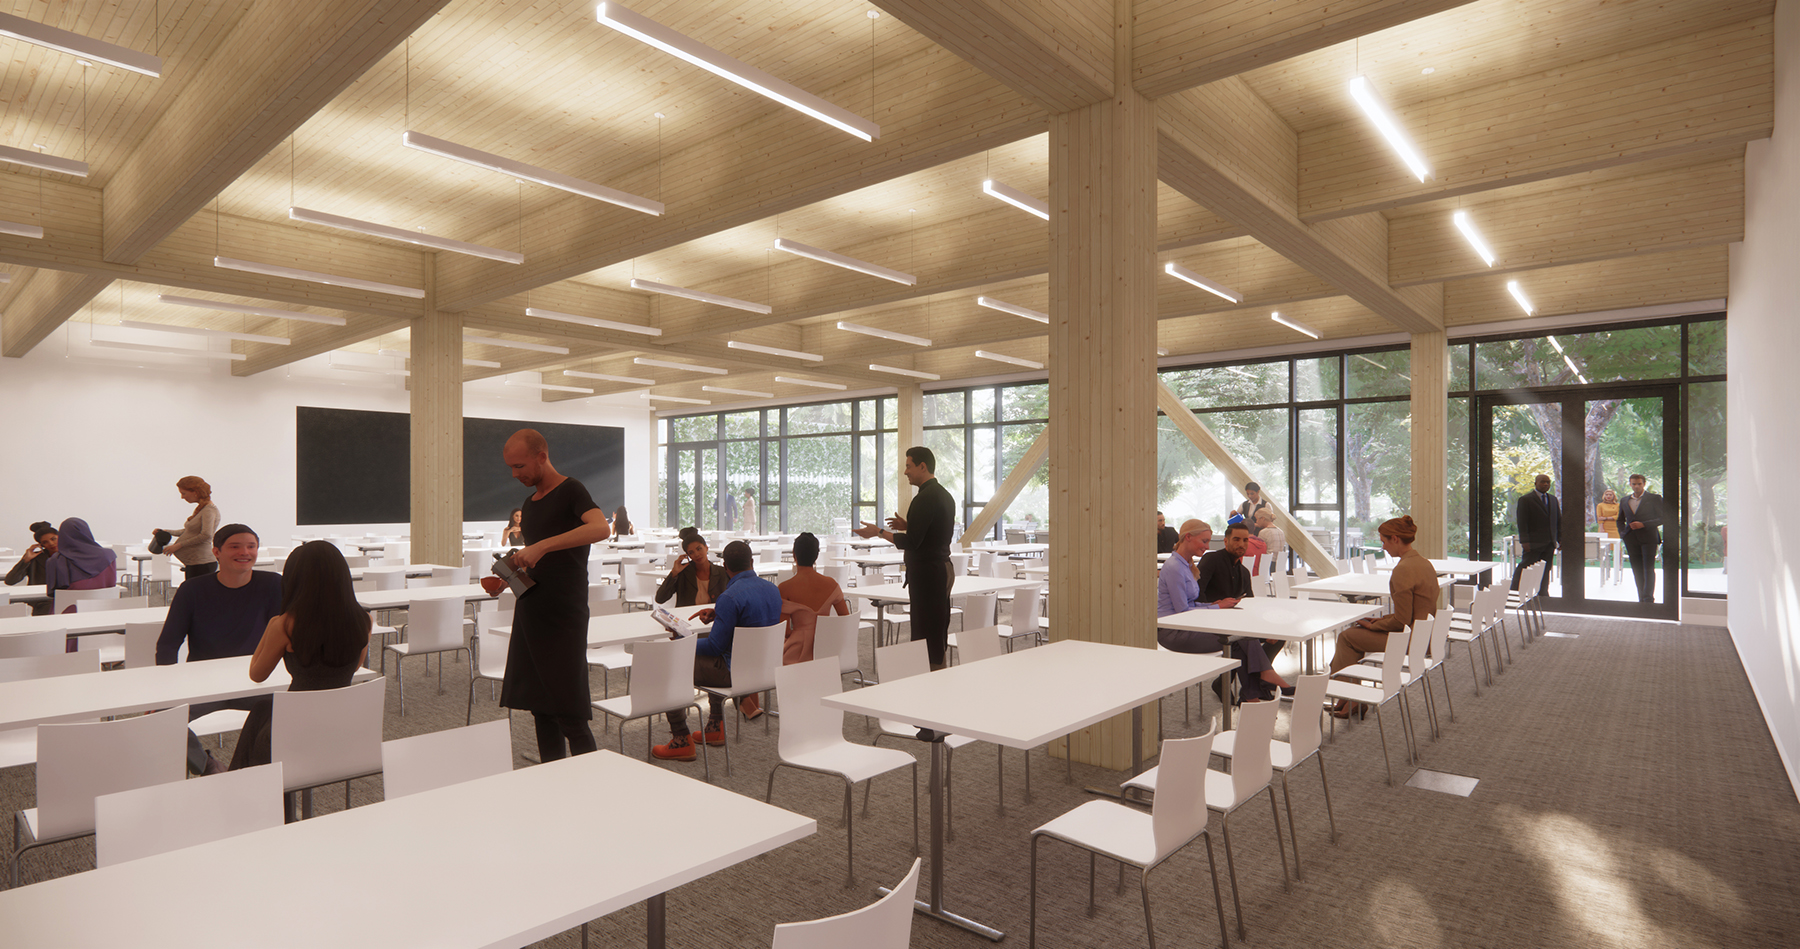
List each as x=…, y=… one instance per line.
x=404, y=354
x=700, y=295
x=1512, y=287
x=200, y=304
x=1013, y=308
x=21, y=230
x=1384, y=120
x=592, y=321
x=714, y=370
x=307, y=216
x=20, y=156
x=75, y=44
x=773, y=350
x=1470, y=234
x=848, y=263
x=790, y=380
x=201, y=331
x=532, y=173
x=896, y=370
x=313, y=276
x=749, y=392
x=603, y=377
x=675, y=44
x=1294, y=325
x=169, y=350
x=883, y=334
x=984, y=354
x=675, y=398
x=549, y=387
x=515, y=344
x=1016, y=198
x=1185, y=275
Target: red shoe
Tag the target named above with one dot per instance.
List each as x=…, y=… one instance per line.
x=750, y=706
x=714, y=734
x=679, y=748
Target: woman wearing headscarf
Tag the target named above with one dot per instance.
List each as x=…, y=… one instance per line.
x=1413, y=587
x=194, y=545
x=79, y=563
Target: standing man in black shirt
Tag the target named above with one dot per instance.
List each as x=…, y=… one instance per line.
x=924, y=534
x=546, y=661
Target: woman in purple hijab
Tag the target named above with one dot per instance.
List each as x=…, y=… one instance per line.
x=79, y=562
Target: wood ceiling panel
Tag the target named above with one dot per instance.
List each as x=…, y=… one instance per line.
x=1683, y=276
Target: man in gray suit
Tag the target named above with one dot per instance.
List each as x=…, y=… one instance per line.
x=1640, y=523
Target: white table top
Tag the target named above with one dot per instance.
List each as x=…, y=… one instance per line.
x=871, y=558
x=762, y=570
x=1011, y=549
x=80, y=697
x=1268, y=618
x=1026, y=698
x=82, y=624
x=1452, y=566
x=542, y=876
x=397, y=599
x=869, y=543
x=634, y=627
x=1358, y=584
x=898, y=593
x=26, y=591
x=1035, y=573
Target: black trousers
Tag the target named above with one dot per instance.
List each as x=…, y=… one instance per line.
x=1533, y=554
x=196, y=754
x=1643, y=567
x=558, y=736
x=929, y=585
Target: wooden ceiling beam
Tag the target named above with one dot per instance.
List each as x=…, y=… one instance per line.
x=1179, y=44
x=313, y=339
x=42, y=303
x=281, y=63
x=1709, y=89
x=1058, y=55
x=1680, y=276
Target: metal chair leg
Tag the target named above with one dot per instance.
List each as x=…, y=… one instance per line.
x=1327, y=786
x=1287, y=883
x=1218, y=898
x=1231, y=870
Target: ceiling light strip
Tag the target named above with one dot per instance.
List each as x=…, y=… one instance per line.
x=313, y=276
x=714, y=370
x=773, y=350
x=369, y=369
x=1512, y=287
x=1012, y=308
x=532, y=173
x=1181, y=273
x=1016, y=198
x=170, y=350
x=702, y=296
x=896, y=370
x=790, y=380
x=628, y=380
x=984, y=354
x=883, y=334
x=198, y=303
x=202, y=331
x=549, y=387
x=308, y=216
x=1294, y=325
x=75, y=44
x=669, y=41
x=404, y=354
x=675, y=398
x=39, y=160
x=515, y=344
x=1470, y=234
x=592, y=321
x=1389, y=126
x=749, y=392
x=21, y=230
x=848, y=263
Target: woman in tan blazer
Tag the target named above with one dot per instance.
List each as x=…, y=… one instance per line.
x=1414, y=589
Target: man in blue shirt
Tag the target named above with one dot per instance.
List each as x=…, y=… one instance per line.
x=748, y=600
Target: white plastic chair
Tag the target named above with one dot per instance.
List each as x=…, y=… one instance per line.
x=19, y=745
x=1413, y=664
x=1142, y=840
x=326, y=736
x=1472, y=628
x=488, y=658
x=140, y=644
x=62, y=600
x=755, y=655
x=1379, y=696
x=14, y=610
x=903, y=661
x=440, y=758
x=812, y=739
x=110, y=646
x=979, y=644
x=1303, y=743
x=79, y=762
x=840, y=636
x=131, y=825
x=1284, y=589
x=883, y=924
x=450, y=576
x=1024, y=616
x=432, y=626
x=662, y=680
x=978, y=611
x=47, y=642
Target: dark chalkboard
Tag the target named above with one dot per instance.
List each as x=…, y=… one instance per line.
x=353, y=467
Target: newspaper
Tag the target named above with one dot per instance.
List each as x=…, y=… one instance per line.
x=674, y=624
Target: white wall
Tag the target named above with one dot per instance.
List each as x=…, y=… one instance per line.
x=91, y=434
x=1763, y=336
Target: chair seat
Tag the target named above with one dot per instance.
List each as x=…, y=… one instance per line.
x=1221, y=794
x=1281, y=754
x=903, y=730
x=1457, y=637
x=1370, y=673
x=219, y=722
x=1122, y=833
x=1353, y=692
x=857, y=763
x=623, y=707
x=1007, y=632
x=405, y=649
x=609, y=657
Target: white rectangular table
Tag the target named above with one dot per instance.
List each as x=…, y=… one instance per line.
x=1022, y=700
x=83, y=624
x=1359, y=584
x=881, y=594
x=397, y=599
x=26, y=592
x=762, y=570
x=1019, y=550
x=1453, y=566
x=617, y=629
x=80, y=697
x=543, y=875
x=885, y=558
x=1262, y=617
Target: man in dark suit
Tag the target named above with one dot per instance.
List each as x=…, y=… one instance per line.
x=1540, y=525
x=1640, y=523
x=924, y=534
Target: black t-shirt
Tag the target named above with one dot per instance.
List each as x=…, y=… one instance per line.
x=558, y=513
x=216, y=620
x=1222, y=576
x=1166, y=539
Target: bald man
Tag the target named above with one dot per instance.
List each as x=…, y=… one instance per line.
x=546, y=662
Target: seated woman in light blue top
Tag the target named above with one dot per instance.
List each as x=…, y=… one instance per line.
x=1178, y=590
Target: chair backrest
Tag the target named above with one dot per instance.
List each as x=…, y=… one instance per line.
x=1250, y=766
x=602, y=591
x=48, y=666
x=662, y=673
x=883, y=924
x=1178, y=814
x=1006, y=570
x=441, y=758
x=328, y=735
x=1529, y=578
x=434, y=624
x=112, y=603
x=755, y=655
x=1368, y=562
x=769, y=554
x=610, y=607
x=1284, y=589
x=490, y=650
x=1390, y=670
x=389, y=580
x=450, y=576
x=45, y=643
x=61, y=600
x=140, y=644
x=959, y=565
x=901, y=661
x=14, y=610
x=1303, y=725
x=1415, y=647
x=1440, y=636
x=144, y=822
x=984, y=564
x=843, y=573
x=356, y=560
x=806, y=723
x=838, y=636
x=1343, y=567
x=979, y=609
x=974, y=645
x=79, y=762
x=1026, y=604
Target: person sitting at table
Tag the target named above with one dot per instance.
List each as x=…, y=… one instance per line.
x=220, y=615
x=30, y=568
x=1178, y=589
x=810, y=588
x=320, y=633
x=1413, y=587
x=693, y=580
x=514, y=534
x=621, y=523
x=1166, y=536
x=193, y=546
x=1607, y=511
x=1224, y=580
x=748, y=600
x=79, y=563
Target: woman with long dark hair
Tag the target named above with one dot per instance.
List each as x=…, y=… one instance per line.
x=621, y=522
x=514, y=534
x=321, y=635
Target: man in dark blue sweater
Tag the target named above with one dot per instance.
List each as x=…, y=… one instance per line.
x=220, y=615
x=748, y=600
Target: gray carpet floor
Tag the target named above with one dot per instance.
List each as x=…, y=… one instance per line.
x=1629, y=796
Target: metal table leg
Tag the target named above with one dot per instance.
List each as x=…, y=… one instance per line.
x=935, y=906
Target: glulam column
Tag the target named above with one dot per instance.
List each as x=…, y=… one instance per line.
x=910, y=422
x=437, y=431
x=1430, y=507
